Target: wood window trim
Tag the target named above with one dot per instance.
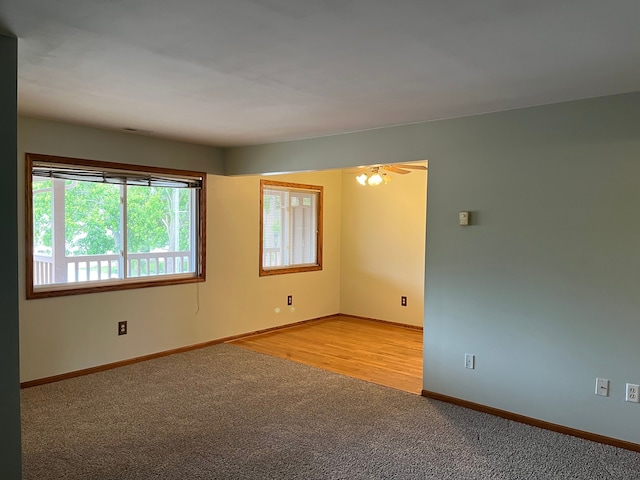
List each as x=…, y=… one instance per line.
x=128, y=284
x=319, y=230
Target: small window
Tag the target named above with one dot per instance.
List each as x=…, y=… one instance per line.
x=94, y=226
x=290, y=227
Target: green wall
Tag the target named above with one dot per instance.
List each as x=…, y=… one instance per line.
x=10, y=459
x=53, y=138
x=543, y=286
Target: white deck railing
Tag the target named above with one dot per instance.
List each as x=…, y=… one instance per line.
x=143, y=264
x=42, y=270
x=84, y=268
x=271, y=257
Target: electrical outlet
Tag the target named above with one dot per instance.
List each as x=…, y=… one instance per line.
x=403, y=301
x=122, y=328
x=469, y=361
x=290, y=300
x=602, y=387
x=632, y=393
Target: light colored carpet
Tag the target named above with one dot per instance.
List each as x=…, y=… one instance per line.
x=223, y=412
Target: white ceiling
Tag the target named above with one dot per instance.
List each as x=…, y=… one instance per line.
x=238, y=72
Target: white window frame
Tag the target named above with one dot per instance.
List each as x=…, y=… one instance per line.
x=285, y=263
x=48, y=166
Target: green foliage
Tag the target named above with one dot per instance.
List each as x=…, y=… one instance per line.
x=92, y=218
x=145, y=216
x=42, y=215
x=151, y=216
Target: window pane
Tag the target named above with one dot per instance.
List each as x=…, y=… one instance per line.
x=303, y=229
x=42, y=214
x=92, y=231
x=89, y=231
x=159, y=231
x=272, y=243
x=42, y=217
x=290, y=227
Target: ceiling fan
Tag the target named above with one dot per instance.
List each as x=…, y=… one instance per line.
x=376, y=174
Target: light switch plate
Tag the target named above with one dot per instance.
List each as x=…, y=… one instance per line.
x=463, y=218
x=469, y=361
x=602, y=387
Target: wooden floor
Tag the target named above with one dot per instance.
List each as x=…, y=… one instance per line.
x=378, y=352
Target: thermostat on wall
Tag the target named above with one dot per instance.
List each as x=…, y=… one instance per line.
x=463, y=218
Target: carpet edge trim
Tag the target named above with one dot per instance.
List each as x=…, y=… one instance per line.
x=534, y=422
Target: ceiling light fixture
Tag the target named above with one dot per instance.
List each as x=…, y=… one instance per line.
x=374, y=178
x=375, y=175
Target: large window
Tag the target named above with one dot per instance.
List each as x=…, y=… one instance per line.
x=290, y=227
x=95, y=226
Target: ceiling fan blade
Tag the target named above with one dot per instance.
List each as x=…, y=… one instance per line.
x=395, y=169
x=414, y=167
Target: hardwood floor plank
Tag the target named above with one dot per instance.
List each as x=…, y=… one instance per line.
x=378, y=352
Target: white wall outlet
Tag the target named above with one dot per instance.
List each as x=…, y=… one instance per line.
x=602, y=387
x=469, y=361
x=632, y=393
